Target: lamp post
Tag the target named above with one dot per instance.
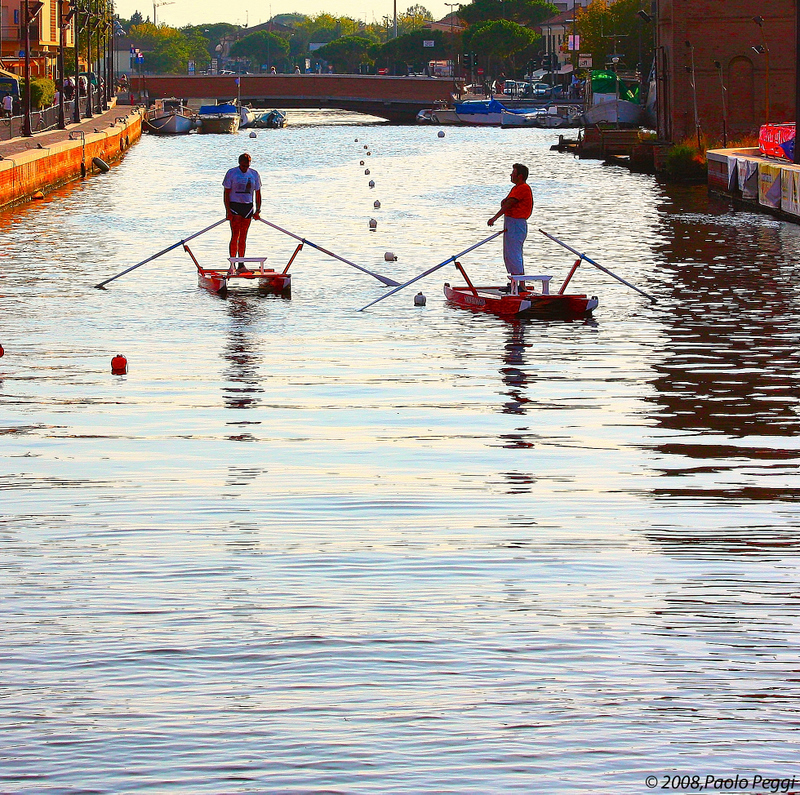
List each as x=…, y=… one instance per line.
x=763, y=49
x=30, y=9
x=724, y=89
x=76, y=106
x=452, y=6
x=690, y=70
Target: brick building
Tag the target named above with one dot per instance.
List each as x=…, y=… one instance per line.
x=44, y=38
x=724, y=32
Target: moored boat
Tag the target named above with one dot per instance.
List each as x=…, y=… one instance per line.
x=479, y=112
x=170, y=117
x=270, y=120
x=219, y=119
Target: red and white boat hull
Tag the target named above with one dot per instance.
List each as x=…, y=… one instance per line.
x=219, y=282
x=527, y=303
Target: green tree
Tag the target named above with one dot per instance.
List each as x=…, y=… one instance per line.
x=347, y=52
x=213, y=34
x=323, y=28
x=529, y=13
x=609, y=29
x=500, y=40
x=407, y=50
x=261, y=47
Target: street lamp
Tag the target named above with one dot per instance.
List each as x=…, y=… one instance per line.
x=763, y=49
x=30, y=9
x=724, y=89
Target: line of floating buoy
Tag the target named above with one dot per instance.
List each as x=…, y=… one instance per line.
x=372, y=183
x=376, y=204
x=373, y=224
x=440, y=133
x=119, y=365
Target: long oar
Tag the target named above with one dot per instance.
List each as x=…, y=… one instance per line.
x=155, y=256
x=434, y=268
x=385, y=279
x=597, y=265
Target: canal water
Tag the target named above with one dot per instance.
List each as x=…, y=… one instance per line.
x=302, y=548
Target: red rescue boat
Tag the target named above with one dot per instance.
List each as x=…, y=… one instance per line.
x=245, y=272
x=519, y=299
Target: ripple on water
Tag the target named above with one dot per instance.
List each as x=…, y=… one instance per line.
x=301, y=548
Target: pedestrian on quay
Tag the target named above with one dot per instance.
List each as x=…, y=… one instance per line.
x=517, y=208
x=8, y=104
x=241, y=184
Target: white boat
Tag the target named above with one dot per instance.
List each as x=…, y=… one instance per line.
x=246, y=116
x=444, y=116
x=609, y=109
x=271, y=119
x=482, y=112
x=549, y=118
x=170, y=117
x=219, y=119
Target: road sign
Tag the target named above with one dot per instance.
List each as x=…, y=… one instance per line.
x=428, y=43
x=480, y=70
x=191, y=67
x=584, y=61
x=574, y=42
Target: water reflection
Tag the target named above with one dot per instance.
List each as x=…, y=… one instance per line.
x=728, y=368
x=242, y=387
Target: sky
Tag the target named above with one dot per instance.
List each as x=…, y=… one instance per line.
x=196, y=12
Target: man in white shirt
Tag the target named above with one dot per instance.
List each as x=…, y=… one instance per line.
x=8, y=104
x=240, y=184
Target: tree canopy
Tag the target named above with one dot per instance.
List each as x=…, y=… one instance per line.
x=347, y=52
x=500, y=39
x=170, y=49
x=261, y=47
x=524, y=12
x=609, y=29
x=408, y=50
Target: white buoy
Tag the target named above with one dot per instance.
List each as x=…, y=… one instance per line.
x=366, y=171
x=419, y=299
x=369, y=153
x=441, y=133
x=377, y=205
x=361, y=162
x=365, y=146
x=253, y=134
x=373, y=224
x=372, y=183
x=356, y=140
x=390, y=256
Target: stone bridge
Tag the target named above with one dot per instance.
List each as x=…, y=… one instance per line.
x=397, y=99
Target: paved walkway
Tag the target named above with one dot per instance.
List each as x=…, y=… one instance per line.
x=16, y=146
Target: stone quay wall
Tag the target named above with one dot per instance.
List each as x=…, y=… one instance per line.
x=52, y=163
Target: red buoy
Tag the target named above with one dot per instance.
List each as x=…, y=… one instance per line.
x=119, y=365
x=2, y=352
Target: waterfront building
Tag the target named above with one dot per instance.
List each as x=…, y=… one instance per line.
x=44, y=38
x=742, y=46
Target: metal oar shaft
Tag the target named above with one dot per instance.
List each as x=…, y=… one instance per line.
x=156, y=256
x=597, y=265
x=385, y=279
x=431, y=270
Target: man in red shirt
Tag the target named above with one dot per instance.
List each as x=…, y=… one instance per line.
x=517, y=208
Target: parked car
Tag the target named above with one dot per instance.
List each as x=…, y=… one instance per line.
x=542, y=90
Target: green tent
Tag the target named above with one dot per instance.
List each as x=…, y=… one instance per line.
x=606, y=83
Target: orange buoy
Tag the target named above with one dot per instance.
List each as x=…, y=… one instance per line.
x=119, y=365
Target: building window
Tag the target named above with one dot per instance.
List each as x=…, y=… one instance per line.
x=16, y=16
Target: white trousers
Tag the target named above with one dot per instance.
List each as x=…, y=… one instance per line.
x=516, y=232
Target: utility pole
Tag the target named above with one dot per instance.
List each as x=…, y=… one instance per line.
x=30, y=10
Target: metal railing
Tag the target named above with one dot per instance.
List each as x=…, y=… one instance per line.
x=41, y=121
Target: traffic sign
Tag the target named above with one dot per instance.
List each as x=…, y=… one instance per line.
x=480, y=70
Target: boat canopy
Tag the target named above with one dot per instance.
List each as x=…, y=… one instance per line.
x=479, y=106
x=207, y=109
x=606, y=83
